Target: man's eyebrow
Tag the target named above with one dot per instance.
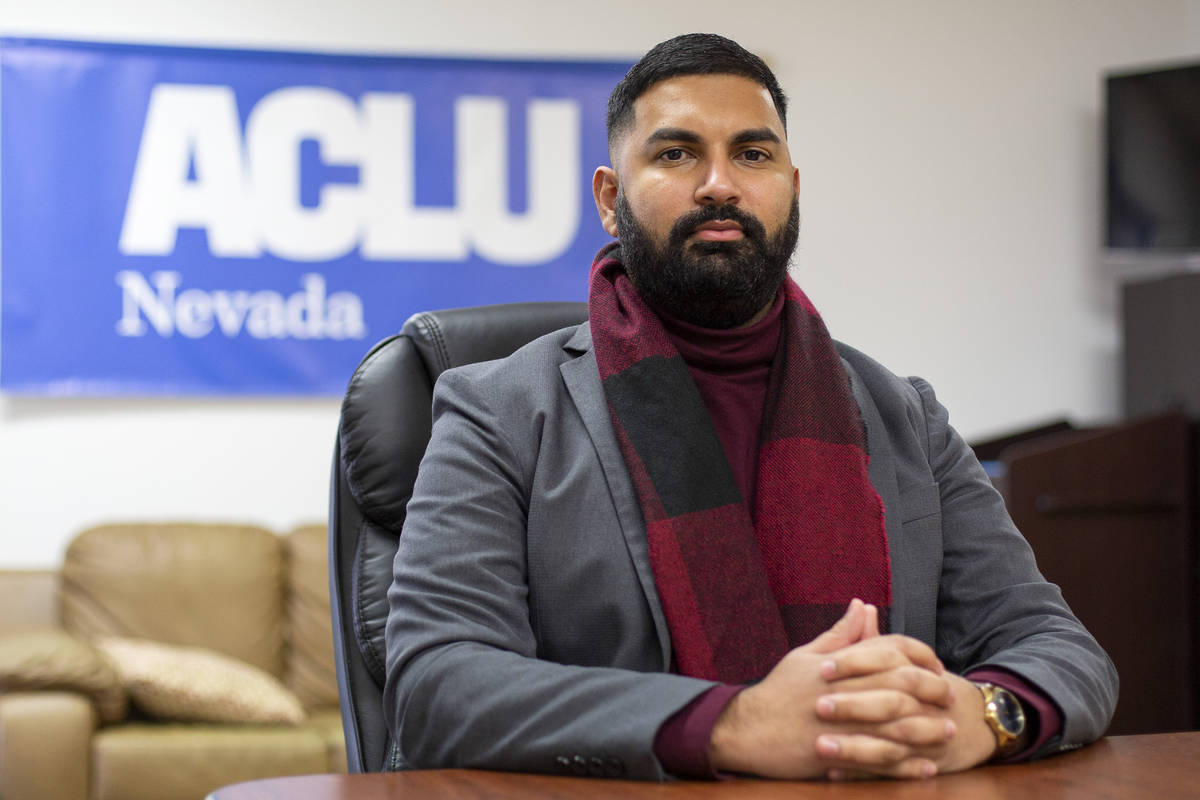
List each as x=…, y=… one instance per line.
x=691, y=137
x=673, y=135
x=755, y=135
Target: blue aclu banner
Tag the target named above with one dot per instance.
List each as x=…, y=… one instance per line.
x=187, y=221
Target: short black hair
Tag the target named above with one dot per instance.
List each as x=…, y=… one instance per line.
x=688, y=54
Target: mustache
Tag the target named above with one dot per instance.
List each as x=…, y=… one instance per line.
x=686, y=225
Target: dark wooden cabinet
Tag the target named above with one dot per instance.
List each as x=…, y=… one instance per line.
x=1111, y=517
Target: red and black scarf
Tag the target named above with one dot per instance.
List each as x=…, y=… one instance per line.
x=739, y=592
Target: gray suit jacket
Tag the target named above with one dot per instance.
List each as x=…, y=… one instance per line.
x=524, y=628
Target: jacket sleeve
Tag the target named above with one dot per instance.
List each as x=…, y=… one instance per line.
x=994, y=607
x=465, y=686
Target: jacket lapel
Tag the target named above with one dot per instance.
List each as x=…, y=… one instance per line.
x=582, y=378
x=881, y=470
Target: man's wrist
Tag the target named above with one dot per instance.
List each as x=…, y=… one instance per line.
x=724, y=744
x=1005, y=718
x=682, y=742
x=1042, y=717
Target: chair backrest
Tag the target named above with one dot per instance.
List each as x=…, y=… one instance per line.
x=384, y=429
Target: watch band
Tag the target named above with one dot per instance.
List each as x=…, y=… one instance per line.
x=1003, y=713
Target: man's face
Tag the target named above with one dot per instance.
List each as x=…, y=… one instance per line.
x=703, y=198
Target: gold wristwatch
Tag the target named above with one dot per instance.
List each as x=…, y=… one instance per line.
x=1004, y=715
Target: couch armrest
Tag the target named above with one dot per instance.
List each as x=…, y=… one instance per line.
x=54, y=660
x=44, y=745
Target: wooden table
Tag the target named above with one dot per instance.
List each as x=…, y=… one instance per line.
x=1154, y=766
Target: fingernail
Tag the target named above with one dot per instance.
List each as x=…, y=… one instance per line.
x=951, y=729
x=928, y=769
x=827, y=746
x=825, y=706
x=828, y=668
x=835, y=775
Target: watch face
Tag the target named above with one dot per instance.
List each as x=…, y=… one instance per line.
x=1008, y=711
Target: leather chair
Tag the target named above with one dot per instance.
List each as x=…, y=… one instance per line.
x=385, y=426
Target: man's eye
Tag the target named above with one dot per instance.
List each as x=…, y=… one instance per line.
x=754, y=155
x=674, y=154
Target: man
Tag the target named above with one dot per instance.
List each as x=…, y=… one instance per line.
x=695, y=536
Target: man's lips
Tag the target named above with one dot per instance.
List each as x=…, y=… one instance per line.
x=720, y=230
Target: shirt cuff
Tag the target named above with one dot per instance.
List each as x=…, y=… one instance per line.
x=681, y=744
x=1040, y=711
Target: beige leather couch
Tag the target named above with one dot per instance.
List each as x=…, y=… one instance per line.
x=217, y=624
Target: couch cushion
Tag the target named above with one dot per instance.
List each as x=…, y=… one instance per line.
x=186, y=762
x=310, y=671
x=54, y=659
x=328, y=723
x=205, y=585
x=198, y=685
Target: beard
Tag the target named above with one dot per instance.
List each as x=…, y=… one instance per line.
x=710, y=284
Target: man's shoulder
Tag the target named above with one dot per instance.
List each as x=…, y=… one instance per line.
x=902, y=403
x=546, y=351
x=534, y=369
x=879, y=381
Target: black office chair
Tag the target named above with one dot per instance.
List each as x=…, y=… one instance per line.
x=384, y=428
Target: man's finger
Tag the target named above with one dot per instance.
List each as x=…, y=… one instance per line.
x=919, y=731
x=876, y=705
x=877, y=654
x=871, y=623
x=858, y=752
x=845, y=632
x=922, y=684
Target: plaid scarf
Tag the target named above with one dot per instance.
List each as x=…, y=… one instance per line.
x=739, y=592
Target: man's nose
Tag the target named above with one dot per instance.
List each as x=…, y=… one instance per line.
x=719, y=185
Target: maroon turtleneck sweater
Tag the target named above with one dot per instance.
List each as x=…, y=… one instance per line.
x=731, y=369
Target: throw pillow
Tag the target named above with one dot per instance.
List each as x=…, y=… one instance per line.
x=196, y=684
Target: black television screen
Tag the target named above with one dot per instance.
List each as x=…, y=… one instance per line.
x=1153, y=160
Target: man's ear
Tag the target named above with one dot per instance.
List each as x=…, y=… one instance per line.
x=604, y=190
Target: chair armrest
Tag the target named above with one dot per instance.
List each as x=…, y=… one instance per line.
x=44, y=745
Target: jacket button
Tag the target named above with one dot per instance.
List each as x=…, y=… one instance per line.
x=596, y=766
x=613, y=767
x=563, y=762
x=579, y=765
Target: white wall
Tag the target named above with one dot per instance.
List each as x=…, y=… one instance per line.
x=949, y=153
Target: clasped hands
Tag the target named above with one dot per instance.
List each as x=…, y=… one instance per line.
x=852, y=704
